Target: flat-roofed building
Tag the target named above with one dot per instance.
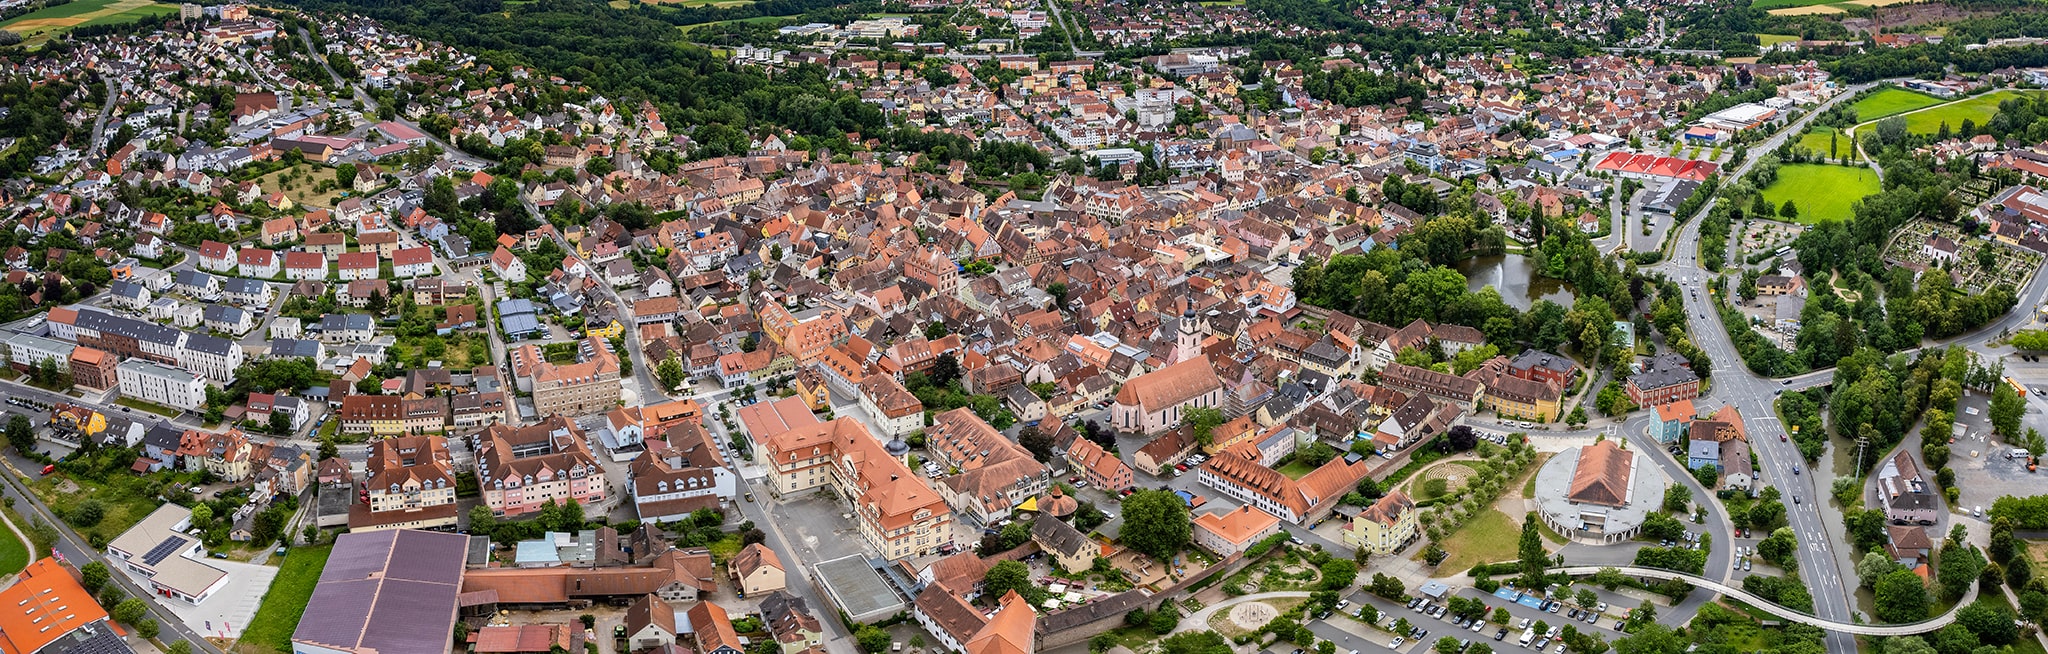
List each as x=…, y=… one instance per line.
x=174, y=562
x=156, y=383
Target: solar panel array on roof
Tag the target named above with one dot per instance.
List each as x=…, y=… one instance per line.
x=163, y=550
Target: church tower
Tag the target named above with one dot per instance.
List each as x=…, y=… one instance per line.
x=1188, y=343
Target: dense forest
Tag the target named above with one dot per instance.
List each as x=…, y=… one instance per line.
x=628, y=55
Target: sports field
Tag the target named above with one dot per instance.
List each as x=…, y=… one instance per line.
x=1768, y=40
x=41, y=24
x=1891, y=101
x=1821, y=138
x=1978, y=109
x=1822, y=193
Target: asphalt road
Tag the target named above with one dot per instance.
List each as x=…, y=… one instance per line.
x=1753, y=395
x=78, y=552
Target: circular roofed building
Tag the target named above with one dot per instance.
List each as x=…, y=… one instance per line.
x=1599, y=493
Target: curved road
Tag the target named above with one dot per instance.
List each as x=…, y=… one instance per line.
x=1833, y=627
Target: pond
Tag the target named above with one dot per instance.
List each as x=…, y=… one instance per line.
x=1513, y=276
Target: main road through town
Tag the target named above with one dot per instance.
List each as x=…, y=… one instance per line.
x=1752, y=395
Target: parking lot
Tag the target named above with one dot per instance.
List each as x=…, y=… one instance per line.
x=1983, y=471
x=1428, y=625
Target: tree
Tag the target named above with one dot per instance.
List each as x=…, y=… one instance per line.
x=2018, y=572
x=1585, y=597
x=1765, y=515
x=1790, y=211
x=1156, y=523
x=1387, y=586
x=871, y=639
x=1461, y=438
x=1901, y=597
x=328, y=448
x=179, y=647
x=1007, y=576
x=21, y=433
x=1956, y=568
x=1337, y=574
x=147, y=628
x=1875, y=566
x=1677, y=497
x=1037, y=442
x=1651, y=638
x=2007, y=407
x=1992, y=622
x=345, y=175
x=1203, y=421
x=1779, y=546
x=202, y=514
x=1195, y=642
x=89, y=512
x=1534, y=558
x=945, y=369
x=481, y=520
x=671, y=373
x=129, y=610
x=95, y=576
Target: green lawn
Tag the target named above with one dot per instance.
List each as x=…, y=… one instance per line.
x=1821, y=138
x=1821, y=192
x=1979, y=109
x=1891, y=101
x=1488, y=538
x=1296, y=469
x=1768, y=40
x=13, y=553
x=279, y=614
x=147, y=406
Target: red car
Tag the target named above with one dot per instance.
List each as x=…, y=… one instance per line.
x=49, y=469
x=1181, y=467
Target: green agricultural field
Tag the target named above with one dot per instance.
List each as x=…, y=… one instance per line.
x=1820, y=138
x=1891, y=101
x=1978, y=109
x=1821, y=192
x=41, y=24
x=1782, y=4
x=1768, y=40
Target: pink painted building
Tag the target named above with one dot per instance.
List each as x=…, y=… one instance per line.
x=521, y=469
x=1155, y=401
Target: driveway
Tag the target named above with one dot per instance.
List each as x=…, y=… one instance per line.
x=227, y=611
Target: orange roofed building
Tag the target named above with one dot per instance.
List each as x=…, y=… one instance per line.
x=1154, y=401
x=897, y=512
x=46, y=604
x=1230, y=532
x=1299, y=501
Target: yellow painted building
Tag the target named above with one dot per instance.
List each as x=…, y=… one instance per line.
x=1385, y=527
x=607, y=331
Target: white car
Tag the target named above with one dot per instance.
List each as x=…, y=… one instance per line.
x=1398, y=641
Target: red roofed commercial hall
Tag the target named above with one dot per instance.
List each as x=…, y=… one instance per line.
x=1645, y=166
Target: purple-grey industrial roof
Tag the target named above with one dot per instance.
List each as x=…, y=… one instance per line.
x=387, y=591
